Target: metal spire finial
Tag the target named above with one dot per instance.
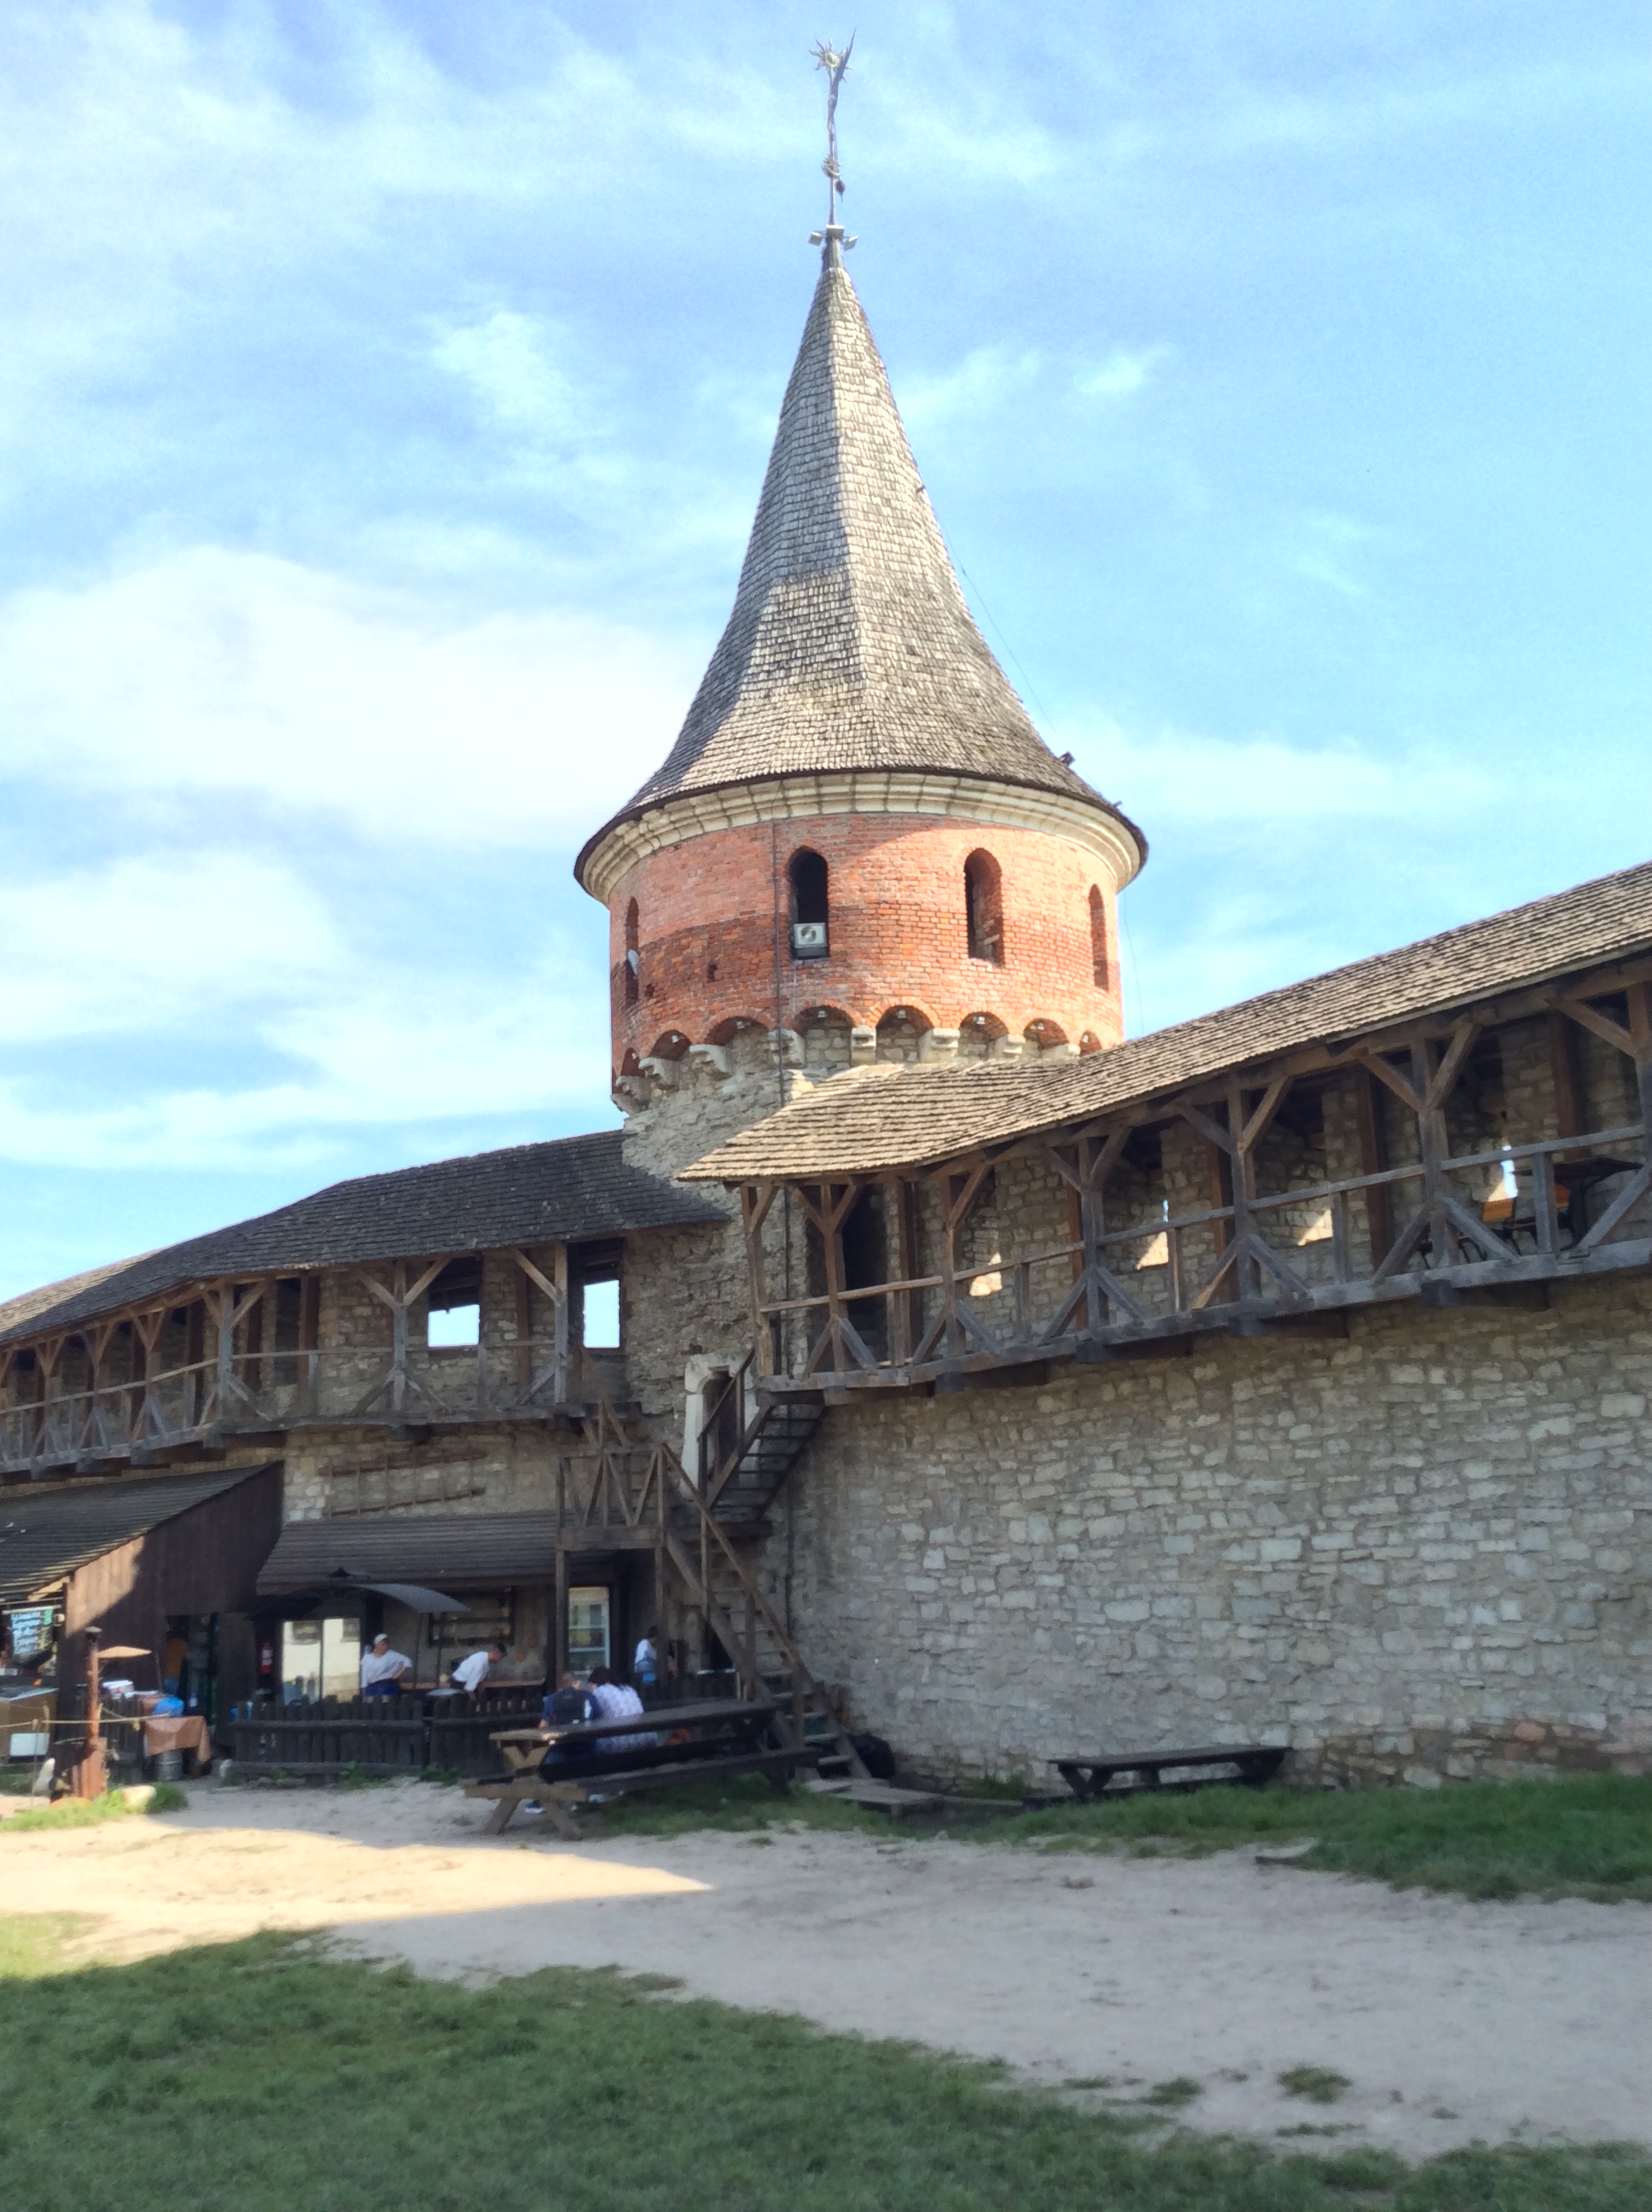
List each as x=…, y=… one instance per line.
x=835, y=63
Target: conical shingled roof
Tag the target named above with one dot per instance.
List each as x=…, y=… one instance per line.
x=850, y=645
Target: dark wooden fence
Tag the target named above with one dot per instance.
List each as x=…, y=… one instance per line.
x=376, y=1736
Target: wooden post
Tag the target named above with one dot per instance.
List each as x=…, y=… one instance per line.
x=92, y=1772
x=829, y=1221
x=398, y=1338
x=1567, y=1077
x=223, y=1297
x=194, y=1359
x=1373, y=1160
x=755, y=1200
x=309, y=1344
x=524, y=1336
x=562, y=1388
x=559, y=1627
x=1092, y=1226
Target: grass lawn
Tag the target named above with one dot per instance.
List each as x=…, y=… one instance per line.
x=266, y=2076
x=1588, y=1835
x=1583, y=1836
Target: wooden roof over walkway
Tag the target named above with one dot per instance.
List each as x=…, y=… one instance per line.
x=877, y=1120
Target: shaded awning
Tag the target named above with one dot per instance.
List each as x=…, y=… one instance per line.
x=486, y=1550
x=336, y=1590
x=49, y=1529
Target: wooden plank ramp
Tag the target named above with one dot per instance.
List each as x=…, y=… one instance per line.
x=875, y=1796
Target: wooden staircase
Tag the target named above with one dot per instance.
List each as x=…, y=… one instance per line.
x=744, y=1458
x=707, y=1527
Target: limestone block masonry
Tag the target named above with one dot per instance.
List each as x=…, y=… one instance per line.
x=1423, y=1552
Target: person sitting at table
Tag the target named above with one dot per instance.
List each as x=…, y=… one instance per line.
x=568, y=1705
x=616, y=1701
x=472, y=1671
x=382, y=1669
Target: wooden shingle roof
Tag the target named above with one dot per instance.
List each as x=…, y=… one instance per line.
x=49, y=1529
x=850, y=645
x=570, y=1187
x=884, y=1118
x=437, y=1549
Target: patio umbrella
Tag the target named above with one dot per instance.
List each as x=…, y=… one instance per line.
x=416, y=1598
x=414, y=1595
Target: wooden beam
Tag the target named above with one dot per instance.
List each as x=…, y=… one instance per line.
x=1602, y=1025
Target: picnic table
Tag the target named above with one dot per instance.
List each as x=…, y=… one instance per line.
x=651, y=1750
x=1092, y=1777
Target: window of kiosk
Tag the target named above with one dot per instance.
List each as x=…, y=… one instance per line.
x=587, y=1629
x=320, y=1659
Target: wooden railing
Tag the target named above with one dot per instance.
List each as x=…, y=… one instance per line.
x=1213, y=1266
x=262, y=1393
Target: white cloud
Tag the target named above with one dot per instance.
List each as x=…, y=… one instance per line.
x=507, y=362
x=149, y=944
x=1122, y=374
x=211, y=671
x=991, y=377
x=980, y=383
x=1323, y=549
x=369, y=1046
x=1173, y=777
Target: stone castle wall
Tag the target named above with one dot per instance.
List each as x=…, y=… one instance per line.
x=710, y=911
x=1421, y=1552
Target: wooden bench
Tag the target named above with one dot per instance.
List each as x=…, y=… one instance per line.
x=1091, y=1778
x=714, y=1738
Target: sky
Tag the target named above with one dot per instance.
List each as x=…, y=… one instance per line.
x=385, y=392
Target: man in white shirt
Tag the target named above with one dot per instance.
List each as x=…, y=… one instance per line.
x=382, y=1669
x=645, y=1664
x=472, y=1671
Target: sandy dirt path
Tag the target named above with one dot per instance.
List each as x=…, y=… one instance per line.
x=1452, y=2021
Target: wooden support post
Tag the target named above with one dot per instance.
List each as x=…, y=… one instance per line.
x=194, y=1359
x=398, y=1338
x=524, y=1336
x=562, y=1388
x=906, y=1307
x=1373, y=1160
x=830, y=1225
x=1567, y=1077
x=755, y=1204
x=92, y=1770
x=309, y=1344
x=559, y=1627
x=1236, y=1166
x=223, y=1298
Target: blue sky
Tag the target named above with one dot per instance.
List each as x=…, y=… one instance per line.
x=384, y=397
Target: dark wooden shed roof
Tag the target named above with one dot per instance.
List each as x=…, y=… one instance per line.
x=48, y=1531
x=570, y=1187
x=493, y=1549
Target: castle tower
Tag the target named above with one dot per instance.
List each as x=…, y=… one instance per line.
x=859, y=847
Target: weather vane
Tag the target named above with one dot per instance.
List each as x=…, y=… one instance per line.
x=835, y=64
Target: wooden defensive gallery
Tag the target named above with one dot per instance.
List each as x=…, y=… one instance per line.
x=979, y=1376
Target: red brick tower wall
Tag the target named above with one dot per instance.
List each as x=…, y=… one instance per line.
x=712, y=911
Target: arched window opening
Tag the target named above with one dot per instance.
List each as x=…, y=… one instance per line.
x=806, y=876
x=1098, y=939
x=983, y=893
x=633, y=959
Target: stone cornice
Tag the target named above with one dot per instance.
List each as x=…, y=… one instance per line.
x=1096, y=828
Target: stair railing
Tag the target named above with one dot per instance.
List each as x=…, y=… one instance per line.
x=664, y=1462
